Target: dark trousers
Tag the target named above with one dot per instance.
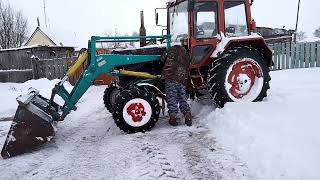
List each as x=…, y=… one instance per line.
x=176, y=95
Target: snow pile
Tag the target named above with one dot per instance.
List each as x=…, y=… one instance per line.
x=10, y=91
x=278, y=138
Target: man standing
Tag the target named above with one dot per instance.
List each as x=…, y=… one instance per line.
x=175, y=72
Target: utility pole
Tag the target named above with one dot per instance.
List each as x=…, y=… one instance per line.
x=297, y=21
x=45, y=14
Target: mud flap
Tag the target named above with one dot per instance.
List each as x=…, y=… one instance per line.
x=31, y=127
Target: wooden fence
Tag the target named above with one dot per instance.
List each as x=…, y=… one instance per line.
x=56, y=68
x=16, y=64
x=292, y=56
x=51, y=68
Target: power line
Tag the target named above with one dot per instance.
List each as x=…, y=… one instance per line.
x=45, y=14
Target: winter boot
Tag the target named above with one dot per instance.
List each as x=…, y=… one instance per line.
x=188, y=118
x=173, y=120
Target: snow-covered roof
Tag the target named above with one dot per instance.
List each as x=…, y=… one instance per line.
x=19, y=48
x=33, y=46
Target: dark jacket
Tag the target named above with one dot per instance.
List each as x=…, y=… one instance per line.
x=176, y=64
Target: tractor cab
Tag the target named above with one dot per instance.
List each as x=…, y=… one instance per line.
x=211, y=30
x=200, y=24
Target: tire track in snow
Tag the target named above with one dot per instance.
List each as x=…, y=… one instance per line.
x=152, y=161
x=89, y=145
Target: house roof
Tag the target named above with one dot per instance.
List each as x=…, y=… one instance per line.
x=61, y=37
x=40, y=31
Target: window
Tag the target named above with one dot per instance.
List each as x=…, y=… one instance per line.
x=235, y=19
x=205, y=20
x=178, y=16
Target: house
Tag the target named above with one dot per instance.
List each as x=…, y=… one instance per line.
x=39, y=37
x=43, y=36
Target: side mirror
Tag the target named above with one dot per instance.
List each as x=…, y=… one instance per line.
x=157, y=18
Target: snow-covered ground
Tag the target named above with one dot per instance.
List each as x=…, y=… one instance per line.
x=278, y=138
x=274, y=139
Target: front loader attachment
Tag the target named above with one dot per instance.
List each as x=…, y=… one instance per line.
x=32, y=125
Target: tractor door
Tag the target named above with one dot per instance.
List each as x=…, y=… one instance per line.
x=204, y=31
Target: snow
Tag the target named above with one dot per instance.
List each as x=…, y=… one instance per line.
x=19, y=48
x=10, y=91
x=311, y=39
x=89, y=145
x=171, y=1
x=14, y=70
x=274, y=139
x=225, y=41
x=277, y=138
x=40, y=138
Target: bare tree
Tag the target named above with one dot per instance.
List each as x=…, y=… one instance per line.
x=316, y=33
x=134, y=33
x=301, y=35
x=114, y=45
x=13, y=27
x=109, y=33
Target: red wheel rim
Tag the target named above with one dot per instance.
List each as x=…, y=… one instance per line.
x=242, y=77
x=137, y=112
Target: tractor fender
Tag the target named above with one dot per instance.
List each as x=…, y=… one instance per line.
x=252, y=41
x=152, y=88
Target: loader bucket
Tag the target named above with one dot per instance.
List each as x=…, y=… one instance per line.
x=31, y=127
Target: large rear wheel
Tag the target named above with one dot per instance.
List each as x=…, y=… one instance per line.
x=240, y=75
x=136, y=110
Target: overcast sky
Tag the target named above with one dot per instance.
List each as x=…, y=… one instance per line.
x=84, y=18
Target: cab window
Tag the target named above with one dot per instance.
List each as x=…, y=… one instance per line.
x=205, y=20
x=235, y=19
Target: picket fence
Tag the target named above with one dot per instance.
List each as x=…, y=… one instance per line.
x=292, y=56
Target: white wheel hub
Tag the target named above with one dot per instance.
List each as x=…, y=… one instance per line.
x=244, y=83
x=137, y=112
x=244, y=80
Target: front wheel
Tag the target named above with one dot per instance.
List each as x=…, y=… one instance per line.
x=136, y=110
x=241, y=75
x=110, y=95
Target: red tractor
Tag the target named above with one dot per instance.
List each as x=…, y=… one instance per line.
x=230, y=62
